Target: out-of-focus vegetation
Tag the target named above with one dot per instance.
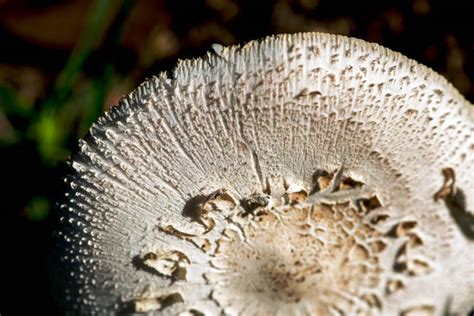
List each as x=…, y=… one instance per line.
x=64, y=62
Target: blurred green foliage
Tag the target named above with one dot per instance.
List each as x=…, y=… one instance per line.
x=38, y=208
x=58, y=112
x=69, y=108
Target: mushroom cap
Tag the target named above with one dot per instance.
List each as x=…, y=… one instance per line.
x=296, y=174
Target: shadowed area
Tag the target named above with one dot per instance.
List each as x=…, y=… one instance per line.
x=458, y=211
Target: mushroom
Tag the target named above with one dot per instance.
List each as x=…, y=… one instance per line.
x=298, y=174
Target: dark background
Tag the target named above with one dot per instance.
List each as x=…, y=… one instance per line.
x=62, y=63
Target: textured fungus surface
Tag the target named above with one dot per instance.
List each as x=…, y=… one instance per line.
x=302, y=174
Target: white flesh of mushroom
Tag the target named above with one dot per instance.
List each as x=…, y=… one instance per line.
x=305, y=174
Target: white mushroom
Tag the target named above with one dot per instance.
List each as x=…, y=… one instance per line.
x=300, y=174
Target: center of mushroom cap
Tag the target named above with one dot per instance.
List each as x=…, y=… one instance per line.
x=334, y=250
x=314, y=258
